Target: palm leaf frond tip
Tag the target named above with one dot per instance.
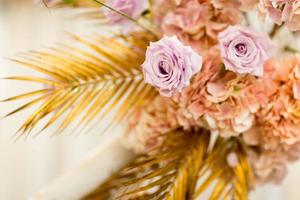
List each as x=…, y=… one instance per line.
x=100, y=78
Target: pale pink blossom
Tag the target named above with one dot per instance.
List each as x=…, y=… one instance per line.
x=232, y=159
x=268, y=166
x=132, y=8
x=169, y=65
x=244, y=51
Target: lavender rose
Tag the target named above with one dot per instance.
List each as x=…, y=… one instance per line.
x=244, y=51
x=169, y=65
x=132, y=8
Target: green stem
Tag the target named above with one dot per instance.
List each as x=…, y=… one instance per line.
x=125, y=15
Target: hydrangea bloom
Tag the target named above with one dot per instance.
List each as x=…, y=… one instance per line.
x=282, y=11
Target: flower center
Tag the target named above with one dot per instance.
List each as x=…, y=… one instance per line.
x=161, y=68
x=241, y=48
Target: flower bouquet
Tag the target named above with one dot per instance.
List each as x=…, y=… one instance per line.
x=209, y=103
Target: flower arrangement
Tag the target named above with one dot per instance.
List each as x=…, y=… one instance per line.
x=208, y=100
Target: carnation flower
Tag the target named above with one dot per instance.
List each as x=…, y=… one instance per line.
x=268, y=166
x=280, y=118
x=282, y=11
x=199, y=29
x=271, y=165
x=245, y=51
x=219, y=100
x=169, y=65
x=229, y=120
x=150, y=123
x=132, y=8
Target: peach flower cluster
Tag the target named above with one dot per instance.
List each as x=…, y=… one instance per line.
x=264, y=112
x=148, y=125
x=238, y=92
x=280, y=118
x=199, y=29
x=282, y=11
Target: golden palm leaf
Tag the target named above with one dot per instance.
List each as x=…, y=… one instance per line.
x=182, y=167
x=102, y=76
x=227, y=182
x=168, y=171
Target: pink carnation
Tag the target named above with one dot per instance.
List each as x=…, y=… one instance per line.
x=282, y=11
x=169, y=65
x=150, y=123
x=245, y=51
x=280, y=118
x=199, y=29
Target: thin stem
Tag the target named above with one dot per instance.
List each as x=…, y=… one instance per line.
x=274, y=31
x=290, y=49
x=125, y=15
x=45, y=3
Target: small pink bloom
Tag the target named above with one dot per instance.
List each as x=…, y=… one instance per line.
x=132, y=8
x=232, y=159
x=169, y=65
x=244, y=51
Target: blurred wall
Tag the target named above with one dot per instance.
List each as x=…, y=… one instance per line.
x=27, y=165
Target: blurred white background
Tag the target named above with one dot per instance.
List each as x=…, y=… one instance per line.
x=26, y=166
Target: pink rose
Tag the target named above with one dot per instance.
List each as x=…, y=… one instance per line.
x=244, y=51
x=169, y=65
x=132, y=8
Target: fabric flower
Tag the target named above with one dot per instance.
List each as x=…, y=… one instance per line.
x=169, y=65
x=245, y=51
x=132, y=8
x=282, y=11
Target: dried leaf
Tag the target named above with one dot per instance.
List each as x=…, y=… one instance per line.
x=183, y=167
x=169, y=172
x=102, y=77
x=228, y=182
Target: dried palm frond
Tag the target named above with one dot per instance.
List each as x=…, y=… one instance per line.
x=100, y=77
x=226, y=182
x=177, y=170
x=167, y=172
